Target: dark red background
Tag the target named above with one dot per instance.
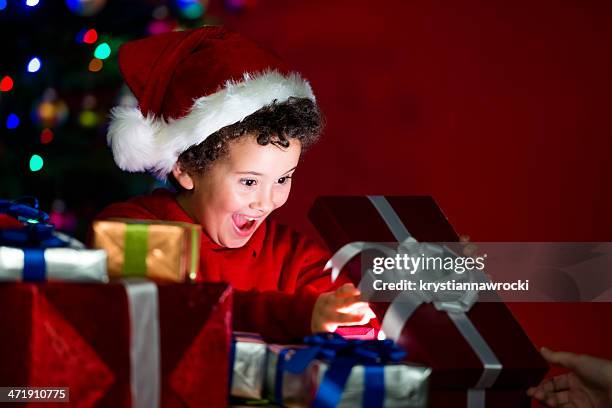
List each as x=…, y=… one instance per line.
x=499, y=110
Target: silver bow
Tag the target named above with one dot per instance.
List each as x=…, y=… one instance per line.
x=405, y=304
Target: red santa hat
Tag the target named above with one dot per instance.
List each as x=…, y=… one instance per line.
x=189, y=84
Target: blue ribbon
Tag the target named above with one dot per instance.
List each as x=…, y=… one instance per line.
x=34, y=266
x=374, y=393
x=280, y=369
x=342, y=355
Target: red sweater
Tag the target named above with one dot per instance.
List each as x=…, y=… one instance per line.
x=277, y=275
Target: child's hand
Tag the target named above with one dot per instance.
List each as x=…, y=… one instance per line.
x=340, y=308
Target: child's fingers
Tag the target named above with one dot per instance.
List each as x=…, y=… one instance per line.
x=344, y=318
x=348, y=289
x=339, y=303
x=355, y=308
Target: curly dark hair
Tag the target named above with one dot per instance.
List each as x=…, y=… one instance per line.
x=296, y=118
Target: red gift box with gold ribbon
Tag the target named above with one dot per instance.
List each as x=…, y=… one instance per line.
x=121, y=344
x=480, y=357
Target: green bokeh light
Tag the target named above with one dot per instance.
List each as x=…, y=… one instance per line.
x=192, y=11
x=36, y=162
x=102, y=51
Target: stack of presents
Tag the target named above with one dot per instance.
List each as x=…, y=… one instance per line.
x=122, y=324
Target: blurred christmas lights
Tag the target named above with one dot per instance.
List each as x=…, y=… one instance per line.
x=12, y=121
x=90, y=37
x=85, y=8
x=95, y=65
x=238, y=5
x=50, y=110
x=6, y=84
x=34, y=65
x=46, y=136
x=102, y=51
x=36, y=163
x=88, y=119
x=87, y=36
x=160, y=27
x=191, y=9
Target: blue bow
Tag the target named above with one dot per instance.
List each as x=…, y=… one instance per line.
x=23, y=212
x=342, y=355
x=35, y=233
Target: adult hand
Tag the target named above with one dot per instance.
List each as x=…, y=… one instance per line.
x=588, y=385
x=340, y=308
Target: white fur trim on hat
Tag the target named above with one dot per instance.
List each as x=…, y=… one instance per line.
x=151, y=144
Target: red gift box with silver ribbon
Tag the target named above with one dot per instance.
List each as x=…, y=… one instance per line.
x=128, y=344
x=479, y=354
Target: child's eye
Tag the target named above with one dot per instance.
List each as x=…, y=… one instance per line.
x=284, y=180
x=248, y=182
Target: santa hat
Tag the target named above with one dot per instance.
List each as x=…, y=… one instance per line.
x=189, y=84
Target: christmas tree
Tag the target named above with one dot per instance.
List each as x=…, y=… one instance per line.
x=59, y=78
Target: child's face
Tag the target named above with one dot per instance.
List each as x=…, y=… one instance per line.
x=235, y=195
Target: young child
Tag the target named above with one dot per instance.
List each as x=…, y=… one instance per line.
x=226, y=123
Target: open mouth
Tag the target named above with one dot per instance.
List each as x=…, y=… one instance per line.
x=244, y=225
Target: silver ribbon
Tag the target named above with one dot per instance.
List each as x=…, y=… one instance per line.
x=67, y=264
x=388, y=214
x=145, y=359
x=406, y=303
x=455, y=309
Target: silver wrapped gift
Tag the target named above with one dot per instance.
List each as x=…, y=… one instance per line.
x=405, y=385
x=248, y=366
x=68, y=264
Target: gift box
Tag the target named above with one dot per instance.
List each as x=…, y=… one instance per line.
x=68, y=264
x=125, y=344
x=483, y=348
x=248, y=365
x=332, y=371
x=31, y=249
x=160, y=250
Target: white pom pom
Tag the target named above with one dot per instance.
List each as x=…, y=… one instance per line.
x=132, y=137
